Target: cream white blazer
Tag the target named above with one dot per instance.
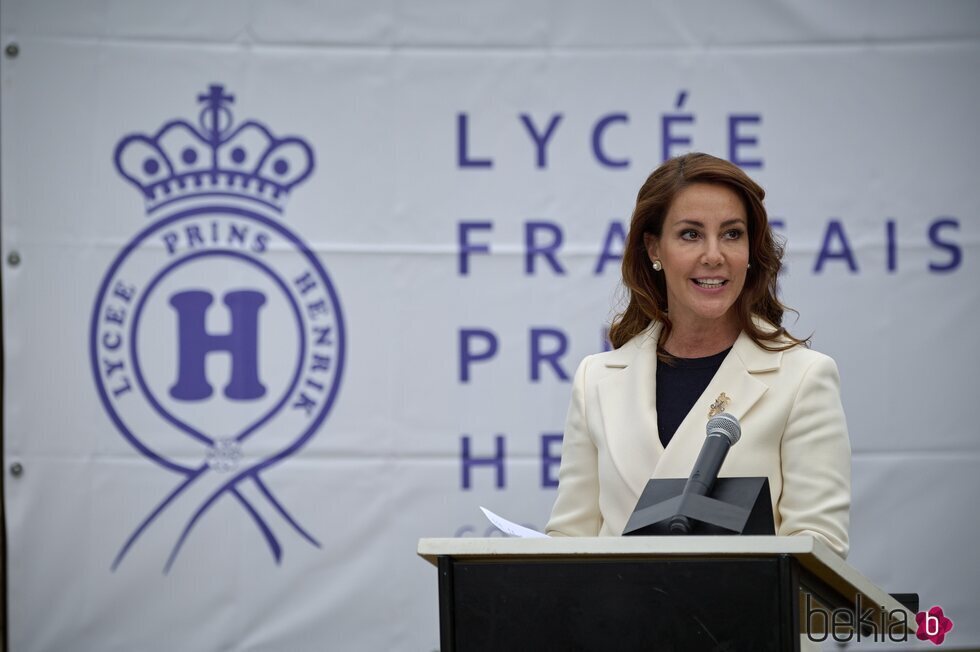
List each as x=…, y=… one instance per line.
x=793, y=432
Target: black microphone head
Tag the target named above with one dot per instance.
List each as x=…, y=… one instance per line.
x=725, y=425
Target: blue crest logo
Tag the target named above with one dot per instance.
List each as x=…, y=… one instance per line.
x=217, y=338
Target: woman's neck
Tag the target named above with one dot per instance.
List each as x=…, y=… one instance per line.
x=701, y=340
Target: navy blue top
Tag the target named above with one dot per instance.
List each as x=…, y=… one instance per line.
x=679, y=386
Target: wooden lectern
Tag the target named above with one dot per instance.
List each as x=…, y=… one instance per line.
x=724, y=593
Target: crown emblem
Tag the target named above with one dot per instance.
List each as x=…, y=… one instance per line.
x=217, y=159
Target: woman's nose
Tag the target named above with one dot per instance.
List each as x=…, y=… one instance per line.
x=712, y=253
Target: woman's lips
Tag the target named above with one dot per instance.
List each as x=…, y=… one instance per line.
x=709, y=284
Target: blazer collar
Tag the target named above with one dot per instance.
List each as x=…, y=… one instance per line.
x=627, y=403
x=755, y=358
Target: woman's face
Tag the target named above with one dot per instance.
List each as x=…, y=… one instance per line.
x=704, y=250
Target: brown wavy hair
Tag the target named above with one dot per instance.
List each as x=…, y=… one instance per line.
x=647, y=289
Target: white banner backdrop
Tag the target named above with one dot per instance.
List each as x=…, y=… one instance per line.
x=287, y=286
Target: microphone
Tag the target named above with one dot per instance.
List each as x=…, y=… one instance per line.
x=723, y=433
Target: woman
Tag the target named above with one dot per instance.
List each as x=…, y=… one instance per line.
x=702, y=334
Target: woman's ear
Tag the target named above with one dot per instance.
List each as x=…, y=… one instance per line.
x=652, y=244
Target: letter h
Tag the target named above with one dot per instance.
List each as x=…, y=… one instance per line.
x=195, y=343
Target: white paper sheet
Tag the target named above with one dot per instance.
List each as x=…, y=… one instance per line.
x=509, y=528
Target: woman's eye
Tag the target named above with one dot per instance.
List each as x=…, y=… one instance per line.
x=733, y=234
x=689, y=234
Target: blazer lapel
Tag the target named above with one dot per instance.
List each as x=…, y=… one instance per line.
x=627, y=405
x=735, y=379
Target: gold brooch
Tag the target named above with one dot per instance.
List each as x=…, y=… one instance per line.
x=719, y=406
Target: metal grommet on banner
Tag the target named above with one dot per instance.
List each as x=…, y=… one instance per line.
x=12, y=50
x=13, y=259
x=16, y=469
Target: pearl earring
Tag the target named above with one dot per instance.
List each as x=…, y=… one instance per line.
x=657, y=266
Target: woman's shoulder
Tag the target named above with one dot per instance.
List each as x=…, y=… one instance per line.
x=806, y=359
x=782, y=352
x=799, y=362
x=598, y=365
x=645, y=339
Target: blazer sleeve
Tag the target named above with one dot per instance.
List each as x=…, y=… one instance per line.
x=815, y=455
x=576, y=509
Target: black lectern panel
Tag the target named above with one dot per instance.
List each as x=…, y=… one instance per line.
x=685, y=605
